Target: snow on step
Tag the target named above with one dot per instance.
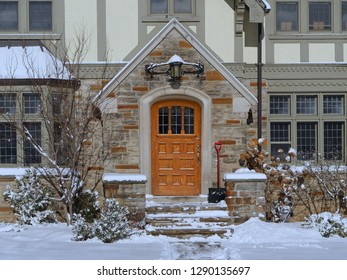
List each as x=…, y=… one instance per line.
x=188, y=219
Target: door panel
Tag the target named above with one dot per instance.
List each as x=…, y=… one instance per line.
x=176, y=167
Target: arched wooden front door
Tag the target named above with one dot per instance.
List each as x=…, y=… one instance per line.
x=176, y=148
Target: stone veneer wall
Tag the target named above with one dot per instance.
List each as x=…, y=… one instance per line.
x=129, y=190
x=245, y=195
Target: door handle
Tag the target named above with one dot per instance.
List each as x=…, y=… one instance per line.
x=198, y=152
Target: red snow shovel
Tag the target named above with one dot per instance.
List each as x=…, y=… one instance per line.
x=215, y=195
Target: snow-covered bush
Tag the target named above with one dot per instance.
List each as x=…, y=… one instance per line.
x=328, y=224
x=86, y=204
x=111, y=225
x=30, y=200
x=82, y=230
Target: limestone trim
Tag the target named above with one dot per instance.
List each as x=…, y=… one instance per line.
x=166, y=93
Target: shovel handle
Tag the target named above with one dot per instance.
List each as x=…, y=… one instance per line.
x=218, y=146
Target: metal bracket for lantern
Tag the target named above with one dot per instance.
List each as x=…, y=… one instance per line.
x=174, y=68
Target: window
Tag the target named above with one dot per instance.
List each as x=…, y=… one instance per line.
x=19, y=110
x=171, y=120
x=279, y=105
x=306, y=140
x=170, y=7
x=314, y=125
x=7, y=103
x=31, y=155
x=279, y=138
x=320, y=16
x=333, y=105
x=333, y=140
x=287, y=16
x=8, y=143
x=40, y=16
x=32, y=103
x=306, y=105
x=8, y=16
x=344, y=16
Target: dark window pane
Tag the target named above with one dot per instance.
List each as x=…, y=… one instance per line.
x=159, y=7
x=164, y=120
x=7, y=103
x=40, y=15
x=306, y=105
x=280, y=151
x=176, y=120
x=306, y=140
x=31, y=155
x=320, y=16
x=333, y=140
x=280, y=131
x=8, y=16
x=32, y=103
x=57, y=103
x=8, y=143
x=333, y=104
x=287, y=16
x=279, y=105
x=183, y=6
x=344, y=16
x=189, y=120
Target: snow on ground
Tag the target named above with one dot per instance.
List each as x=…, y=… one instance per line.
x=253, y=240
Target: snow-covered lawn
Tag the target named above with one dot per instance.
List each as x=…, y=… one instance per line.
x=253, y=240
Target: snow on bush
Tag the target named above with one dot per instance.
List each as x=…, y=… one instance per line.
x=328, y=224
x=30, y=200
x=110, y=226
x=113, y=223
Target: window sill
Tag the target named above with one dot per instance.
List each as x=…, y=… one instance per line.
x=297, y=36
x=167, y=18
x=30, y=36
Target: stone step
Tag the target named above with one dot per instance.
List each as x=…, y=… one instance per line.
x=191, y=232
x=176, y=217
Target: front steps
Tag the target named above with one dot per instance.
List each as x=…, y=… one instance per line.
x=185, y=217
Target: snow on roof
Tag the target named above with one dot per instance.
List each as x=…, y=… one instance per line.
x=124, y=177
x=30, y=62
x=244, y=174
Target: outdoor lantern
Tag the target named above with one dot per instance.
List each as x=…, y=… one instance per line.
x=177, y=68
x=250, y=117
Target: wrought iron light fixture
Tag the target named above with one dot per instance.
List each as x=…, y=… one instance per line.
x=177, y=68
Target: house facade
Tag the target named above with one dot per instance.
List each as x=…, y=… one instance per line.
x=165, y=128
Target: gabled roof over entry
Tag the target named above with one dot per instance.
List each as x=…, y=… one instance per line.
x=174, y=24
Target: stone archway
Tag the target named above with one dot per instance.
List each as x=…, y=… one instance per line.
x=183, y=93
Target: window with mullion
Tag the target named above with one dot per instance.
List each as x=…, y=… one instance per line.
x=306, y=105
x=40, y=15
x=31, y=154
x=280, y=139
x=7, y=103
x=32, y=103
x=333, y=140
x=320, y=16
x=8, y=16
x=170, y=7
x=344, y=15
x=8, y=143
x=279, y=105
x=306, y=140
x=287, y=18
